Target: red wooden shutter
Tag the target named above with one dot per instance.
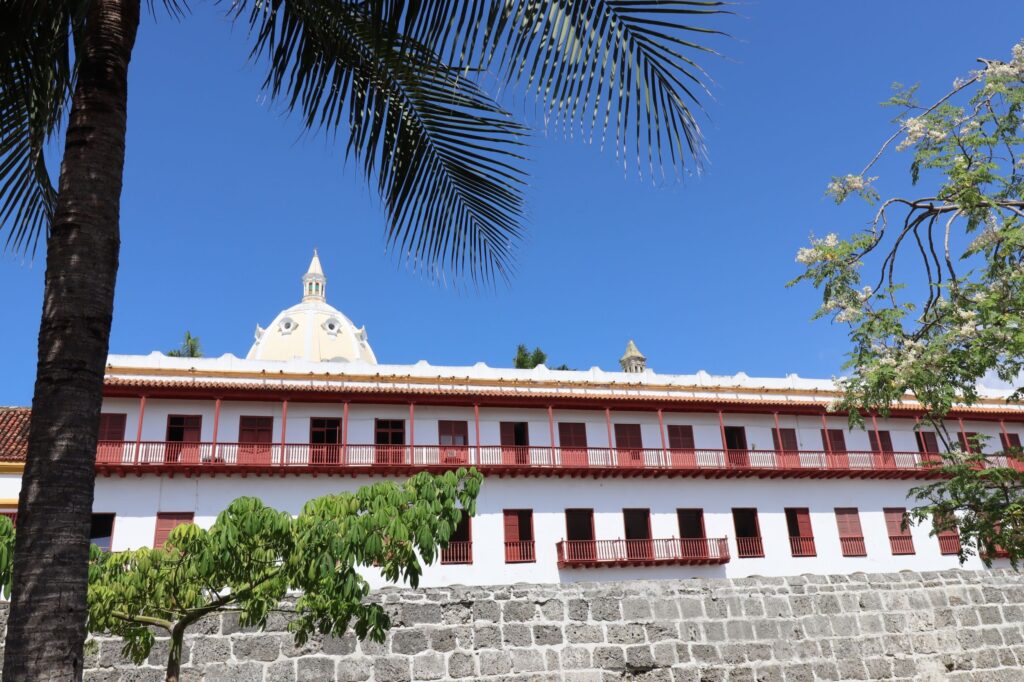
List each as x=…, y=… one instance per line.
x=848, y=522
x=880, y=441
x=168, y=521
x=803, y=522
x=112, y=426
x=1011, y=441
x=512, y=525
x=967, y=440
x=627, y=436
x=680, y=437
x=508, y=433
x=789, y=442
x=452, y=432
x=894, y=521
x=572, y=435
x=927, y=442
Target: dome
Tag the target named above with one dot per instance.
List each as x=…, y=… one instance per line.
x=312, y=330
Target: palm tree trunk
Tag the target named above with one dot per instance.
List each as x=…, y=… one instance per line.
x=46, y=629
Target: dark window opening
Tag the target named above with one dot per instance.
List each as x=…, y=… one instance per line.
x=101, y=531
x=691, y=523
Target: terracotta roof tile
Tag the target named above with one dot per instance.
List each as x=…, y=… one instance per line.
x=14, y=433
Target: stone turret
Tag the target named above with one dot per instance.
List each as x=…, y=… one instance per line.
x=633, y=361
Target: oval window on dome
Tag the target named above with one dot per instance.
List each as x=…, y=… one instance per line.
x=288, y=325
x=332, y=325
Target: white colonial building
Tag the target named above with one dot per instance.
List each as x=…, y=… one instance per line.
x=590, y=475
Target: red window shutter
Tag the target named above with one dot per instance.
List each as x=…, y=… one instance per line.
x=572, y=434
x=168, y=521
x=1011, y=441
x=967, y=440
x=894, y=521
x=927, y=442
x=848, y=522
x=627, y=436
x=680, y=437
x=788, y=441
x=112, y=426
x=508, y=434
x=452, y=432
x=803, y=522
x=511, y=525
x=880, y=441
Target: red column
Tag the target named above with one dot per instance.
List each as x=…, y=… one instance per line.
x=551, y=432
x=138, y=433
x=777, y=442
x=878, y=439
x=608, y=425
x=963, y=434
x=661, y=432
x=1006, y=436
x=412, y=432
x=284, y=427
x=344, y=432
x=216, y=427
x=721, y=431
x=476, y=425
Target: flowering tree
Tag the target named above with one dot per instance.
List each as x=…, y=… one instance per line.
x=253, y=556
x=953, y=311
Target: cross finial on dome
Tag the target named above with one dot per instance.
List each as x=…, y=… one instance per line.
x=314, y=283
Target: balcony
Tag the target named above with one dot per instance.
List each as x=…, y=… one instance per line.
x=901, y=544
x=520, y=552
x=749, y=548
x=654, y=552
x=801, y=547
x=296, y=458
x=458, y=552
x=853, y=546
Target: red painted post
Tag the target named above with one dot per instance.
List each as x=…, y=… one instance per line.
x=721, y=430
x=611, y=444
x=551, y=433
x=661, y=432
x=412, y=432
x=963, y=434
x=828, y=440
x=138, y=433
x=344, y=433
x=476, y=425
x=216, y=426
x=878, y=440
x=284, y=426
x=1006, y=436
x=779, y=447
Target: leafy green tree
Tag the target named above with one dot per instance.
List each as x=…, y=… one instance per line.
x=190, y=348
x=952, y=313
x=526, y=359
x=6, y=555
x=253, y=556
x=406, y=81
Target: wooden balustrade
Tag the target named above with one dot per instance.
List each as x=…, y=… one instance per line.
x=801, y=547
x=458, y=552
x=853, y=546
x=901, y=544
x=643, y=552
x=749, y=548
x=520, y=552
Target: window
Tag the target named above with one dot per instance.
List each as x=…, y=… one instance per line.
x=748, y=533
x=629, y=445
x=949, y=540
x=833, y=441
x=801, y=537
x=460, y=546
x=851, y=537
x=900, y=540
x=255, y=435
x=110, y=447
x=572, y=437
x=928, y=445
x=101, y=532
x=519, y=547
x=682, y=445
x=881, y=449
x=183, y=434
x=515, y=442
x=453, y=436
x=325, y=440
x=969, y=441
x=786, y=447
x=112, y=426
x=693, y=542
x=166, y=522
x=579, y=532
x=637, y=524
x=736, y=446
x=389, y=440
x=1010, y=441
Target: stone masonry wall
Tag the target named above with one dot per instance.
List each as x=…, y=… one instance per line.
x=957, y=625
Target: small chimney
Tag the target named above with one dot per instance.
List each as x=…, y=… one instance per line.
x=633, y=361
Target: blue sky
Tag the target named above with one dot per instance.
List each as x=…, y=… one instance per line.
x=225, y=198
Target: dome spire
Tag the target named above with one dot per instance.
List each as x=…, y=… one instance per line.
x=314, y=283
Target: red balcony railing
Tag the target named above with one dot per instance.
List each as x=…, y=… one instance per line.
x=748, y=548
x=509, y=459
x=901, y=544
x=802, y=546
x=853, y=546
x=949, y=543
x=520, y=552
x=458, y=552
x=642, y=552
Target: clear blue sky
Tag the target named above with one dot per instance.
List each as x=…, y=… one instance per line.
x=224, y=201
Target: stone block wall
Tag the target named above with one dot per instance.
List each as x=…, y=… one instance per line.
x=956, y=625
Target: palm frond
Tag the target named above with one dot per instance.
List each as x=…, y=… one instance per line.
x=36, y=81
x=444, y=155
x=626, y=69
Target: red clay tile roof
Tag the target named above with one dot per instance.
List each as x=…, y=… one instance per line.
x=14, y=433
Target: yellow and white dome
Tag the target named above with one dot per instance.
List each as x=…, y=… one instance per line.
x=312, y=330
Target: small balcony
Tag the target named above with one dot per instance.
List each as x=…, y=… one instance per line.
x=901, y=544
x=853, y=545
x=801, y=547
x=653, y=552
x=521, y=552
x=749, y=548
x=458, y=552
